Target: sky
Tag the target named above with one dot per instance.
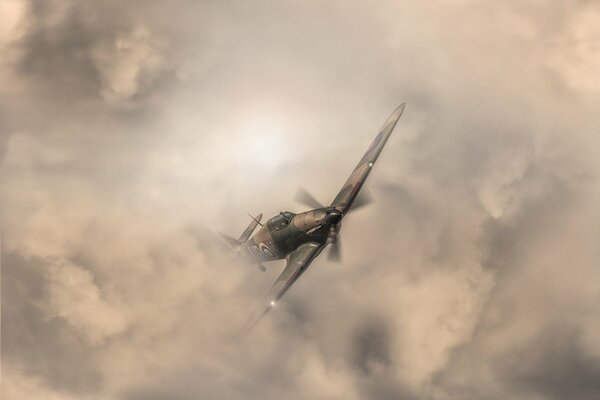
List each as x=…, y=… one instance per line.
x=131, y=131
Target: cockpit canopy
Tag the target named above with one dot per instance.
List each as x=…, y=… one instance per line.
x=280, y=221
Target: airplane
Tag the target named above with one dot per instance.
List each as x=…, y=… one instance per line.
x=300, y=238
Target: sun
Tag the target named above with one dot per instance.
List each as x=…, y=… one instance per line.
x=263, y=141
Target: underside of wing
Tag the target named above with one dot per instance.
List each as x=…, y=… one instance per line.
x=345, y=198
x=297, y=263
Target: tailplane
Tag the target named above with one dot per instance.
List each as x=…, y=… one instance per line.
x=233, y=243
x=251, y=227
x=229, y=241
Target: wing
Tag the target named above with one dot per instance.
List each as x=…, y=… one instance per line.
x=351, y=188
x=297, y=263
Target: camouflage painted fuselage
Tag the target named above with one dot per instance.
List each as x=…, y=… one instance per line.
x=300, y=238
x=282, y=234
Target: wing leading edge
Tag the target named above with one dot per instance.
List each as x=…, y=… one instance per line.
x=345, y=198
x=297, y=263
x=300, y=259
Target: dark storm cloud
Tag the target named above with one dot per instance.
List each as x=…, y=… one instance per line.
x=371, y=347
x=553, y=365
x=507, y=241
x=31, y=340
x=60, y=50
x=131, y=129
x=58, y=54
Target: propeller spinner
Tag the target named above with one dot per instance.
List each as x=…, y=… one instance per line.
x=333, y=217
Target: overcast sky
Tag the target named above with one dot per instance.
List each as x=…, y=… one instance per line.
x=131, y=130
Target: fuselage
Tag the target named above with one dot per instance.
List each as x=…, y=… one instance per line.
x=283, y=233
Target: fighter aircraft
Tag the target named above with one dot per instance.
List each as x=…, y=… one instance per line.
x=300, y=238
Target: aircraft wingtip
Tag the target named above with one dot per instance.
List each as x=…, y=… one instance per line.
x=397, y=112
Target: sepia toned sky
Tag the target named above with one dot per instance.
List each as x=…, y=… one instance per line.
x=129, y=131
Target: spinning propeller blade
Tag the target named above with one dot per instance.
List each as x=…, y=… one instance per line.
x=303, y=196
x=335, y=251
x=364, y=198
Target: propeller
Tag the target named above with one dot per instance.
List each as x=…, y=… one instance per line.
x=335, y=251
x=303, y=196
x=364, y=198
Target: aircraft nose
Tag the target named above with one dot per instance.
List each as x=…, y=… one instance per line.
x=333, y=217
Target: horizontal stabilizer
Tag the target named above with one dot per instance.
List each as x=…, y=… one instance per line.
x=251, y=227
x=231, y=242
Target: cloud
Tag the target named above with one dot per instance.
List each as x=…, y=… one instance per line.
x=129, y=131
x=23, y=386
x=74, y=297
x=124, y=64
